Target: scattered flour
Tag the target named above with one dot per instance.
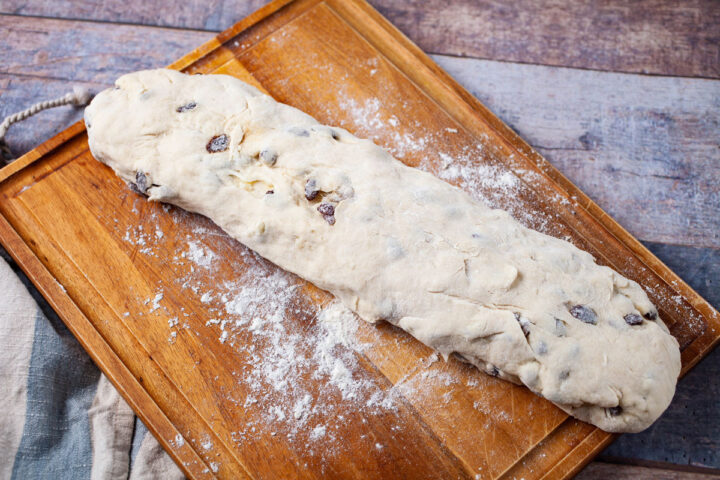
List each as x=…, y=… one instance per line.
x=318, y=432
x=301, y=407
x=251, y=315
x=477, y=169
x=200, y=256
x=206, y=443
x=370, y=117
x=156, y=302
x=341, y=326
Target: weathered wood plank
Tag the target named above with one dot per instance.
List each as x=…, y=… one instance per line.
x=87, y=51
x=645, y=148
x=659, y=37
x=211, y=15
x=604, y=471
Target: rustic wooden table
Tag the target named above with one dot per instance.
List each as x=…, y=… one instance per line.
x=624, y=99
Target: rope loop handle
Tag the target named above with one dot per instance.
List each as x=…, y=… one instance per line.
x=79, y=97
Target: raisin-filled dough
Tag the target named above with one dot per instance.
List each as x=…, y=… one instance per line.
x=392, y=242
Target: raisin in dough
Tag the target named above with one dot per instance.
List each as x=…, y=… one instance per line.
x=392, y=242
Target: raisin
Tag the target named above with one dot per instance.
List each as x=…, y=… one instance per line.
x=186, y=107
x=218, y=143
x=633, y=319
x=334, y=135
x=584, y=314
x=650, y=315
x=326, y=209
x=524, y=323
x=135, y=188
x=494, y=371
x=141, y=182
x=270, y=192
x=300, y=132
x=328, y=212
x=615, y=411
x=268, y=157
x=311, y=190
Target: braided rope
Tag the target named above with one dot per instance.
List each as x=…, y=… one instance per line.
x=79, y=97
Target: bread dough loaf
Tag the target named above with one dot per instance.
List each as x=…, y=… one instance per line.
x=392, y=243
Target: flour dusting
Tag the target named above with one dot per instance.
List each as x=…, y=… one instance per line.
x=298, y=378
x=198, y=255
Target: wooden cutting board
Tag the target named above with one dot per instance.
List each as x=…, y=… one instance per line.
x=230, y=362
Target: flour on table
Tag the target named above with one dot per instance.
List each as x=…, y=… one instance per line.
x=156, y=302
x=318, y=432
x=494, y=185
x=206, y=443
x=199, y=255
x=259, y=303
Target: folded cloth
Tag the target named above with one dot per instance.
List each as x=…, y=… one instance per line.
x=62, y=418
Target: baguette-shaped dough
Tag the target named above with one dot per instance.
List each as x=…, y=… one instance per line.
x=392, y=242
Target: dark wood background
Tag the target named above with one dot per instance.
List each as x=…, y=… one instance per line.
x=623, y=98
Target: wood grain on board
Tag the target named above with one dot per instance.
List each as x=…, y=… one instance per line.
x=658, y=37
x=357, y=124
